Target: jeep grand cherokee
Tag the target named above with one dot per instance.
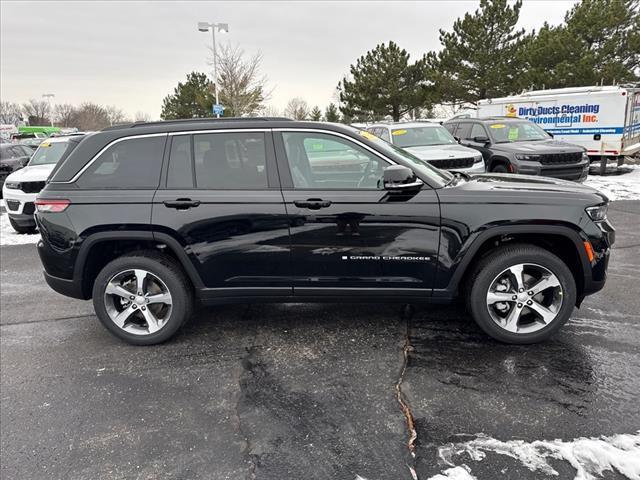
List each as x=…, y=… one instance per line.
x=516, y=145
x=149, y=217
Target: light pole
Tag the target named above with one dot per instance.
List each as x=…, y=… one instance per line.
x=221, y=27
x=49, y=96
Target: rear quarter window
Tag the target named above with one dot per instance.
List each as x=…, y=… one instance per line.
x=130, y=163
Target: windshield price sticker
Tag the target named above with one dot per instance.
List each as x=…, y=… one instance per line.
x=399, y=132
x=497, y=125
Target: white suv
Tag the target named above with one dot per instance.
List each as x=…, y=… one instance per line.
x=430, y=142
x=21, y=188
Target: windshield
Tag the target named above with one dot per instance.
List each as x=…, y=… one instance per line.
x=440, y=177
x=49, y=153
x=516, y=132
x=422, y=136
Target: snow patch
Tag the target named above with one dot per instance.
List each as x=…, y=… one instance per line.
x=590, y=457
x=618, y=187
x=8, y=235
x=455, y=473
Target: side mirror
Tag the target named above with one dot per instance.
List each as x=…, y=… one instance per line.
x=483, y=140
x=400, y=178
x=457, y=139
x=551, y=135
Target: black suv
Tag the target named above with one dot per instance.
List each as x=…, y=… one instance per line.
x=515, y=145
x=146, y=218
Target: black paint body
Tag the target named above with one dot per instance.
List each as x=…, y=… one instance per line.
x=245, y=245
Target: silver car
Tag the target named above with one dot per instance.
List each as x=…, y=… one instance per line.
x=430, y=142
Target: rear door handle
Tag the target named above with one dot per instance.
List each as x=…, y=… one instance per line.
x=312, y=203
x=181, y=203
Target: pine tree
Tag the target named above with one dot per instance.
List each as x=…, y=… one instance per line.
x=331, y=114
x=478, y=58
x=316, y=114
x=383, y=82
x=599, y=42
x=192, y=99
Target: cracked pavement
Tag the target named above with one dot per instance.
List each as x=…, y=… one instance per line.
x=303, y=391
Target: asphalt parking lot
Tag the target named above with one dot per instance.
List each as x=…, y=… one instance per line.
x=308, y=391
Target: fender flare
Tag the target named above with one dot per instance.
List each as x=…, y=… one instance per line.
x=468, y=252
x=171, y=243
x=497, y=159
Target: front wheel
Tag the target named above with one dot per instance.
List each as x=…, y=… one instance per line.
x=500, y=168
x=143, y=299
x=521, y=294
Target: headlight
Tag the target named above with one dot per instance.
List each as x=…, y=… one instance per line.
x=531, y=158
x=13, y=185
x=477, y=159
x=597, y=213
x=585, y=156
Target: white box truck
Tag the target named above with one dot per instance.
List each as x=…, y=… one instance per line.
x=605, y=120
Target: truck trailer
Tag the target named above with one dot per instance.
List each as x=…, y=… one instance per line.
x=605, y=120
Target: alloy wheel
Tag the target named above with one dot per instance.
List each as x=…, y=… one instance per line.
x=524, y=298
x=138, y=302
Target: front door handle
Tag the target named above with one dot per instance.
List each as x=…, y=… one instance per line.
x=312, y=203
x=181, y=203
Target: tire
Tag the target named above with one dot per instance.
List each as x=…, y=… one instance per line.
x=20, y=228
x=529, y=326
x=162, y=275
x=500, y=168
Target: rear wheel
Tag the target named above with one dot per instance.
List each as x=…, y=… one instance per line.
x=21, y=228
x=143, y=299
x=521, y=294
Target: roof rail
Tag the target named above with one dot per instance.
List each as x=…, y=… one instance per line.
x=196, y=120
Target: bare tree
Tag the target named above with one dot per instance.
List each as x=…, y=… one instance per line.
x=38, y=112
x=114, y=114
x=65, y=115
x=91, y=116
x=142, y=117
x=271, y=111
x=242, y=89
x=10, y=113
x=297, y=109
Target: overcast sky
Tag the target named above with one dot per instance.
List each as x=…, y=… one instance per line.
x=132, y=54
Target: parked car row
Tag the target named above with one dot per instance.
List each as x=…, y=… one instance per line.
x=22, y=184
x=492, y=144
x=13, y=156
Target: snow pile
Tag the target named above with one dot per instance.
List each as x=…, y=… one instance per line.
x=625, y=186
x=8, y=235
x=455, y=473
x=590, y=457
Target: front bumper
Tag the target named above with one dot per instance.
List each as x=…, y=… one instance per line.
x=19, y=203
x=477, y=167
x=567, y=171
x=69, y=288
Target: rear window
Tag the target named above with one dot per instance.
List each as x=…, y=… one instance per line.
x=131, y=163
x=50, y=153
x=230, y=161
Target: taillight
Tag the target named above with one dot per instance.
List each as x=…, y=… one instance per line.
x=52, y=206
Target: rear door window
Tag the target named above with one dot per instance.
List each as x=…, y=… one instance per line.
x=230, y=161
x=131, y=163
